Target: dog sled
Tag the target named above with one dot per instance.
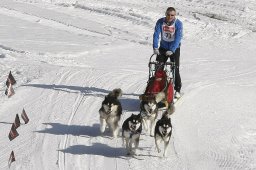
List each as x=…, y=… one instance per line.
x=160, y=84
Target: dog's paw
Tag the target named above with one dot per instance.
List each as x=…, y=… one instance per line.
x=114, y=136
x=101, y=134
x=133, y=152
x=158, y=150
x=102, y=130
x=145, y=128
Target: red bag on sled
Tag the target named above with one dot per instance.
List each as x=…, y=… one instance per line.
x=170, y=92
x=159, y=83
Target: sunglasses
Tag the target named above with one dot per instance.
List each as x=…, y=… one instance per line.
x=170, y=15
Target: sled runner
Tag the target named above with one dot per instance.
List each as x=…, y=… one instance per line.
x=161, y=80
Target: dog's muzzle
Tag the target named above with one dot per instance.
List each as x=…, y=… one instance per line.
x=133, y=127
x=164, y=132
x=108, y=111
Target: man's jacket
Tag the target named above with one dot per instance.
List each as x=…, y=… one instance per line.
x=171, y=34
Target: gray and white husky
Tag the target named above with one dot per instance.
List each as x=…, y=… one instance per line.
x=149, y=112
x=131, y=131
x=163, y=132
x=110, y=112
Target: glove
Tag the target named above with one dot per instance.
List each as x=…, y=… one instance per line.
x=169, y=53
x=156, y=51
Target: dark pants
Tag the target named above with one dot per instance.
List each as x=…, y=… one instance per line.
x=174, y=58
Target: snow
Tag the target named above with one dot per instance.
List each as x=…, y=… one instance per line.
x=67, y=55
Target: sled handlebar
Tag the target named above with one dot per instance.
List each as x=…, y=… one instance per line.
x=155, y=62
x=167, y=63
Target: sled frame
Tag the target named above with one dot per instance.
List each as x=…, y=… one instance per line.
x=169, y=68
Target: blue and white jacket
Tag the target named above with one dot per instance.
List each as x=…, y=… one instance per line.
x=170, y=34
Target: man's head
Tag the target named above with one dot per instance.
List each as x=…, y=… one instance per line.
x=170, y=14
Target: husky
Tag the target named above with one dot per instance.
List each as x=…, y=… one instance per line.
x=131, y=131
x=110, y=112
x=163, y=132
x=149, y=112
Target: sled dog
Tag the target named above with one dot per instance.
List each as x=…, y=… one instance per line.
x=110, y=112
x=163, y=132
x=131, y=131
x=149, y=112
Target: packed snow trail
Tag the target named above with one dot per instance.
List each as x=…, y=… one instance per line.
x=66, y=56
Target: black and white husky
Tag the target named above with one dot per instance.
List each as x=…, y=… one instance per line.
x=110, y=112
x=163, y=132
x=131, y=131
x=149, y=112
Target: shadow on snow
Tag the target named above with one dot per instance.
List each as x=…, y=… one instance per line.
x=96, y=149
x=72, y=89
x=75, y=130
x=75, y=89
x=128, y=104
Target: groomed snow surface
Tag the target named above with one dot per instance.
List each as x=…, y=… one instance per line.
x=67, y=55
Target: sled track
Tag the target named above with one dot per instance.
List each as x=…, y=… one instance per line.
x=11, y=49
x=132, y=17
x=79, y=100
x=65, y=24
x=63, y=144
x=32, y=17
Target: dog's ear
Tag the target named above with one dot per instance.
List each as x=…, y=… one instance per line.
x=169, y=120
x=140, y=114
x=140, y=117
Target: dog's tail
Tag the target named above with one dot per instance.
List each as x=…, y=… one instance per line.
x=159, y=97
x=170, y=110
x=116, y=93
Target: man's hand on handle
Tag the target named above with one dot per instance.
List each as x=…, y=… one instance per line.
x=169, y=53
x=156, y=51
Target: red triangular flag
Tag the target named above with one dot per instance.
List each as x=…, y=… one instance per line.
x=7, y=82
x=9, y=91
x=11, y=159
x=17, y=121
x=24, y=116
x=13, y=133
x=6, y=91
x=10, y=79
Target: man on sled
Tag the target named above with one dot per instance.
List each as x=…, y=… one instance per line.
x=164, y=77
x=170, y=30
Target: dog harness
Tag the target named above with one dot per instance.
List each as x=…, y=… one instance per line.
x=133, y=133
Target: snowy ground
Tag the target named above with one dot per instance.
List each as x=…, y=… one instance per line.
x=66, y=55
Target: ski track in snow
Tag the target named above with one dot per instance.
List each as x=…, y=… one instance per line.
x=65, y=22
x=80, y=99
x=61, y=161
x=132, y=161
x=75, y=142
